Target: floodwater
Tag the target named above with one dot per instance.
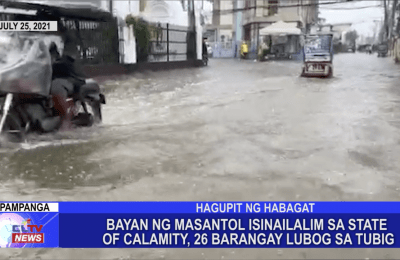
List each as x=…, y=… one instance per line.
x=235, y=130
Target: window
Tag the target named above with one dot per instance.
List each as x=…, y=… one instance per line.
x=247, y=33
x=273, y=7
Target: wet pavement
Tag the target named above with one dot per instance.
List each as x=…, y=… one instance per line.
x=235, y=130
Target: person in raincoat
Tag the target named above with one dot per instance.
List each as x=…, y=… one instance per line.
x=244, y=49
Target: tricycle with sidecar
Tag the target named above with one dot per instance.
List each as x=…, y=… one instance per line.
x=382, y=50
x=318, y=55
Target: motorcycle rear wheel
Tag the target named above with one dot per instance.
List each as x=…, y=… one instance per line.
x=330, y=73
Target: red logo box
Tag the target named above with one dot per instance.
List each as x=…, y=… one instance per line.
x=25, y=238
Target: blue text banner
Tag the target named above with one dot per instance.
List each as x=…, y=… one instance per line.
x=200, y=224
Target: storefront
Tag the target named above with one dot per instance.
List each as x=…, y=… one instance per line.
x=283, y=39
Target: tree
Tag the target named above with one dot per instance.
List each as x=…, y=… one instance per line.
x=351, y=37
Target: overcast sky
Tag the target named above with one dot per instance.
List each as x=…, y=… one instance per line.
x=362, y=19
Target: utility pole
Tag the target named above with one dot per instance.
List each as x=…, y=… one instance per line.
x=385, y=26
x=392, y=24
x=191, y=35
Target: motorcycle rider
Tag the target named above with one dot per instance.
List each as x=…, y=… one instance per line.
x=205, y=51
x=66, y=79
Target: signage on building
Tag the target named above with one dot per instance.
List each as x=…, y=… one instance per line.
x=83, y=25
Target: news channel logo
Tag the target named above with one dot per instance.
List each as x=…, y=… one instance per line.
x=18, y=230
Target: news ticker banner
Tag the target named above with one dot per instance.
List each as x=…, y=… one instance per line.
x=200, y=224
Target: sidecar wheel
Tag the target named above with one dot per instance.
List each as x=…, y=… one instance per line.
x=330, y=73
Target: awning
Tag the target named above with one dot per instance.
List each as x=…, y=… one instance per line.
x=281, y=28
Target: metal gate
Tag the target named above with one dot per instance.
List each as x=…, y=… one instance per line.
x=97, y=41
x=168, y=43
x=223, y=49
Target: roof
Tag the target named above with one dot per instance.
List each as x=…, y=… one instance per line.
x=279, y=28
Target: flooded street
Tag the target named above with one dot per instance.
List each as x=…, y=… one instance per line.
x=235, y=130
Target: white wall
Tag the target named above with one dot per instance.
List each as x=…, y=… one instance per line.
x=226, y=19
x=125, y=7
x=128, y=46
x=165, y=12
x=199, y=33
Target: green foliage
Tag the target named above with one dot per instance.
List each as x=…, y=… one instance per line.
x=142, y=31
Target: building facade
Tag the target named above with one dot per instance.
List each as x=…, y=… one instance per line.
x=241, y=20
x=224, y=32
x=222, y=27
x=259, y=14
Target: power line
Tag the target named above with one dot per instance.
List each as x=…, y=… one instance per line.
x=284, y=6
x=352, y=8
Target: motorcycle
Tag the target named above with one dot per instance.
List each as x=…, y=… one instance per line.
x=25, y=101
